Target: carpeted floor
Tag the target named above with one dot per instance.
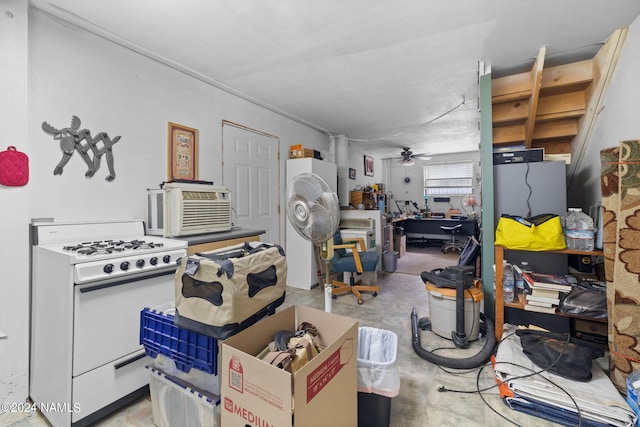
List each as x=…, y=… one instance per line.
x=416, y=260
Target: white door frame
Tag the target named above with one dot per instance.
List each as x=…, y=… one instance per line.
x=278, y=172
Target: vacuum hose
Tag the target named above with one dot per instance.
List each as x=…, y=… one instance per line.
x=459, y=337
x=449, y=362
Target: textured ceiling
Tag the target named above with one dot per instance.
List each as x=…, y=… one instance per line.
x=386, y=74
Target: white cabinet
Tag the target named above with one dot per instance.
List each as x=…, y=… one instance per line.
x=302, y=271
x=380, y=221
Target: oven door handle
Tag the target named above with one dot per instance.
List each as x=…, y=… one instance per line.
x=125, y=281
x=135, y=358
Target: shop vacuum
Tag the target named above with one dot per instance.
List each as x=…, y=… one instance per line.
x=453, y=293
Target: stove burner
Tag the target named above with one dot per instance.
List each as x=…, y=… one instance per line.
x=90, y=250
x=109, y=246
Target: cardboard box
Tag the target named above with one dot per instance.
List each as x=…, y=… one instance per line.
x=400, y=244
x=295, y=151
x=594, y=332
x=298, y=151
x=452, y=213
x=324, y=391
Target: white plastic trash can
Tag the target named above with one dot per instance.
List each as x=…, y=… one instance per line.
x=378, y=376
x=390, y=259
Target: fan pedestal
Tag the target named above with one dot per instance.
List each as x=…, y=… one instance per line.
x=328, y=296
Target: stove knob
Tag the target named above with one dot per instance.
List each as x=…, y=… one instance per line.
x=124, y=266
x=153, y=260
x=140, y=263
x=166, y=259
x=108, y=268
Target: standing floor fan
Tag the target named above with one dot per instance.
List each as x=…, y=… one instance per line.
x=314, y=212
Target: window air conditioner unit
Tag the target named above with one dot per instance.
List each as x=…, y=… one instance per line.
x=189, y=209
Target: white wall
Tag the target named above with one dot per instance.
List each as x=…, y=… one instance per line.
x=111, y=89
x=14, y=230
x=618, y=121
x=356, y=161
x=115, y=90
x=414, y=190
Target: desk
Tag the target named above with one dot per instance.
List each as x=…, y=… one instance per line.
x=211, y=241
x=421, y=228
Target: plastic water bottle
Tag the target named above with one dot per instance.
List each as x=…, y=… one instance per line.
x=578, y=230
x=523, y=267
x=519, y=280
x=508, y=282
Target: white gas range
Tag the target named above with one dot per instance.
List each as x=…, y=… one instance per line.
x=90, y=281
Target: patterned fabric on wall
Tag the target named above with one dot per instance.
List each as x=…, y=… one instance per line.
x=620, y=184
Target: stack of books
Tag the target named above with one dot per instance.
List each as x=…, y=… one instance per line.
x=543, y=291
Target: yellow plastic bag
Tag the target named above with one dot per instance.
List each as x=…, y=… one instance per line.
x=539, y=233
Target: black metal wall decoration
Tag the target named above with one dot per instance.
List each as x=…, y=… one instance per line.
x=72, y=138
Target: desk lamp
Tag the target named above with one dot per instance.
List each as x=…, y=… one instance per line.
x=469, y=200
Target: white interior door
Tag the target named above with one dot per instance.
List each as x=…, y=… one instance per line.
x=250, y=171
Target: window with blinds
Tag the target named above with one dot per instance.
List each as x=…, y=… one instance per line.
x=448, y=179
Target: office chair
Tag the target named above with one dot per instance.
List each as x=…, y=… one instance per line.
x=354, y=262
x=453, y=244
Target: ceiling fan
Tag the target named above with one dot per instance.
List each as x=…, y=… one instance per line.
x=407, y=157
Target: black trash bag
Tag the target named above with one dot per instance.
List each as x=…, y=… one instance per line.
x=586, y=302
x=560, y=355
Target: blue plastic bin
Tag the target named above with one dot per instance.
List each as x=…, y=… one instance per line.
x=186, y=348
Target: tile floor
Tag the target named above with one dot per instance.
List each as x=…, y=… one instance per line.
x=419, y=402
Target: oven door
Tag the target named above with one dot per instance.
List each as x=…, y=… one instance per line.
x=106, y=322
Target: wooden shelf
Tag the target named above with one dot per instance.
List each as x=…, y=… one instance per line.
x=499, y=295
x=368, y=199
x=522, y=302
x=596, y=252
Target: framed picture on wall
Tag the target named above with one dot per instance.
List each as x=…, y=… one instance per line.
x=368, y=166
x=183, y=153
x=352, y=173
